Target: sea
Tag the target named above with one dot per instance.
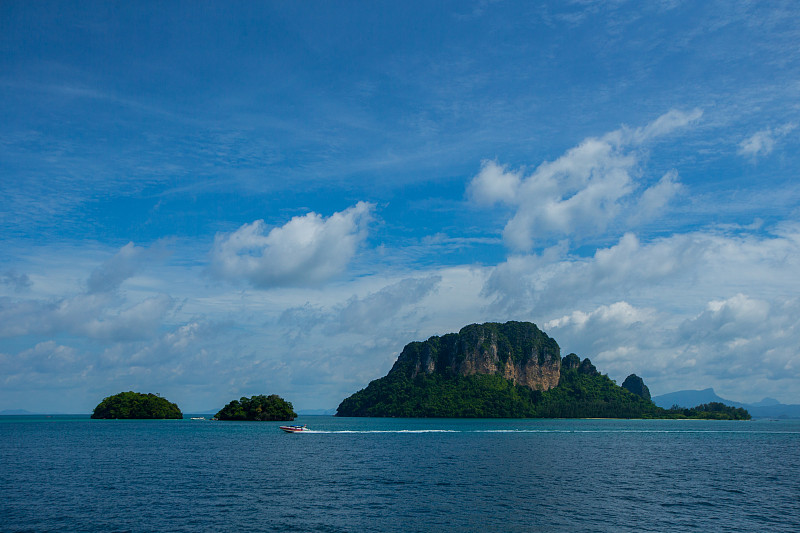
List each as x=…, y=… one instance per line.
x=73, y=474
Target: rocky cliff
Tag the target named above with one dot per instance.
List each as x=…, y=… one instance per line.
x=635, y=384
x=510, y=370
x=517, y=351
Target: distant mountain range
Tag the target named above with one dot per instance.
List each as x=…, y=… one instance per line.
x=766, y=408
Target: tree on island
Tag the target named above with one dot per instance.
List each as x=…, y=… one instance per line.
x=709, y=411
x=136, y=405
x=258, y=408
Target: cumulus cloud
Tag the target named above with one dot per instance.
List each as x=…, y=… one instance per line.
x=306, y=251
x=177, y=362
x=616, y=313
x=618, y=336
x=745, y=335
x=44, y=358
x=668, y=270
x=173, y=352
x=138, y=321
x=654, y=199
x=86, y=315
x=584, y=190
x=686, y=311
x=124, y=264
x=494, y=183
x=17, y=282
x=727, y=320
x=99, y=312
x=763, y=142
x=743, y=346
x=363, y=314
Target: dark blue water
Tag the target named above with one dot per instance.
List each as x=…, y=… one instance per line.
x=76, y=474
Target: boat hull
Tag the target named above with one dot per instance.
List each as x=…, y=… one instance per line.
x=294, y=429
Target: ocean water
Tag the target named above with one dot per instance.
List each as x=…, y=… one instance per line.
x=76, y=474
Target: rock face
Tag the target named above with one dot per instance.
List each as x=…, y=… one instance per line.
x=518, y=351
x=573, y=362
x=635, y=384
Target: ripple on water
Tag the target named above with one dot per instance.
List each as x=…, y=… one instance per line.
x=400, y=475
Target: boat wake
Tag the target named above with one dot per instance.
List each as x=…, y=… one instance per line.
x=365, y=431
x=518, y=431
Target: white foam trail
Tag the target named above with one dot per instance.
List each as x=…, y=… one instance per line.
x=365, y=431
x=419, y=431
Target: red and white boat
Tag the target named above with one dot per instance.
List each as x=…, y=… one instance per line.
x=294, y=429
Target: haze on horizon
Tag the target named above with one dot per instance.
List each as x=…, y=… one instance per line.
x=215, y=200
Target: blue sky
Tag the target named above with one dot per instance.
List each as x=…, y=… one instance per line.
x=211, y=199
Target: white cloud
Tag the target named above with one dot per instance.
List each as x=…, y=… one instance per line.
x=742, y=346
x=669, y=271
x=664, y=125
x=44, y=358
x=173, y=352
x=618, y=312
x=737, y=315
x=136, y=322
x=493, y=184
x=687, y=311
x=129, y=260
x=618, y=337
x=101, y=312
x=763, y=142
x=654, y=199
x=90, y=316
x=17, y=282
x=363, y=314
x=745, y=338
x=306, y=251
x=43, y=317
x=583, y=191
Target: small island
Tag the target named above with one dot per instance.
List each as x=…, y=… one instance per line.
x=510, y=370
x=136, y=405
x=258, y=408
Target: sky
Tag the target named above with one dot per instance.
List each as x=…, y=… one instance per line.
x=210, y=200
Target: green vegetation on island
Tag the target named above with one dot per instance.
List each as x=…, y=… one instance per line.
x=436, y=396
x=585, y=393
x=258, y=408
x=578, y=395
x=136, y=405
x=510, y=370
x=708, y=411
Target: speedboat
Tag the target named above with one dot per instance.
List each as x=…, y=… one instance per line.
x=294, y=429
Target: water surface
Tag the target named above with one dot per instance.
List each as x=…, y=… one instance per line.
x=361, y=474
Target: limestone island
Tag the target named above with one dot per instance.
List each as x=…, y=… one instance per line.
x=511, y=370
x=258, y=408
x=136, y=405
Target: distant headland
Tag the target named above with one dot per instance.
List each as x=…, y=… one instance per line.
x=510, y=370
